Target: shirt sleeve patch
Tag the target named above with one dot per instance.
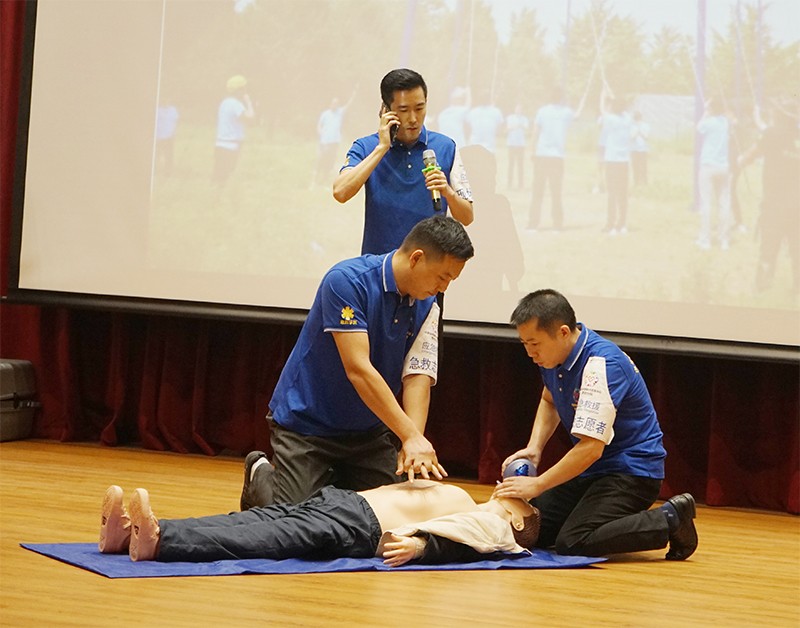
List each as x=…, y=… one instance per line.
x=595, y=411
x=423, y=357
x=458, y=178
x=348, y=316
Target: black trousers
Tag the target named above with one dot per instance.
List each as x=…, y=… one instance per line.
x=617, y=186
x=333, y=523
x=304, y=464
x=547, y=172
x=601, y=515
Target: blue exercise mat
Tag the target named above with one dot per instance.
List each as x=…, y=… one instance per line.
x=87, y=556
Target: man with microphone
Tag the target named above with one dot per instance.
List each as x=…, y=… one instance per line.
x=408, y=171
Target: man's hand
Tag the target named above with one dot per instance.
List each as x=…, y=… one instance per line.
x=417, y=457
x=519, y=486
x=402, y=549
x=435, y=179
x=389, y=120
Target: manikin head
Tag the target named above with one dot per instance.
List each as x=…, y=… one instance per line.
x=525, y=520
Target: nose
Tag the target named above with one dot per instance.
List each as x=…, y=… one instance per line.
x=443, y=285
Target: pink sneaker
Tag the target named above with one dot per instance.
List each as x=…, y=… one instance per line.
x=115, y=525
x=144, y=525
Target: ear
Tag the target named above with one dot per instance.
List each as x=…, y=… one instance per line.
x=517, y=521
x=415, y=257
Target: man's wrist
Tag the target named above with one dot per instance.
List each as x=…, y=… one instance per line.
x=419, y=546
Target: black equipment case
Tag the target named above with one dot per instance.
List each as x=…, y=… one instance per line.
x=17, y=399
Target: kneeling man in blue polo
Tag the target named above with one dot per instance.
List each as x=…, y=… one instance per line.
x=371, y=337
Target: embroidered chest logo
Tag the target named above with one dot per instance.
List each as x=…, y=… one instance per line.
x=348, y=316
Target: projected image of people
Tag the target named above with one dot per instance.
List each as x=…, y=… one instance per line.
x=234, y=109
x=624, y=190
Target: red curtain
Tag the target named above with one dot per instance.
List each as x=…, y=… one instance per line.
x=732, y=428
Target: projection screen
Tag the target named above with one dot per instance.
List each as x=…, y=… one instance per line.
x=119, y=196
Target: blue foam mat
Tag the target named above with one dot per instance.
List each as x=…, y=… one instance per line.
x=87, y=556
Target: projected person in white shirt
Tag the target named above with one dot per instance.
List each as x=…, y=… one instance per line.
x=595, y=500
x=230, y=128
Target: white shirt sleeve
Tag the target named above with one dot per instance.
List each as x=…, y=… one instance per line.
x=423, y=357
x=595, y=413
x=458, y=178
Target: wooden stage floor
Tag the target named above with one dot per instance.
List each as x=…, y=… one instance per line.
x=746, y=571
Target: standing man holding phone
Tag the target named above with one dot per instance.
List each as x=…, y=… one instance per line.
x=389, y=165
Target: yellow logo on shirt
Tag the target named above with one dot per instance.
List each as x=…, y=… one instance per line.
x=348, y=316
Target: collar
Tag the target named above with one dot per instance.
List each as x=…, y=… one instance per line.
x=573, y=356
x=389, y=281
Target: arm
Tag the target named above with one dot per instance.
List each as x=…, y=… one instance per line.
x=428, y=549
x=249, y=112
x=351, y=180
x=575, y=461
x=417, y=454
x=544, y=425
x=460, y=208
x=751, y=154
x=417, y=399
x=373, y=390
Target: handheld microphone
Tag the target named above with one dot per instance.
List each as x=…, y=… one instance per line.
x=429, y=161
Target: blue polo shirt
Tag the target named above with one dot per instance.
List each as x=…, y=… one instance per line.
x=599, y=392
x=313, y=395
x=396, y=196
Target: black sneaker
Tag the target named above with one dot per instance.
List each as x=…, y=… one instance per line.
x=247, y=501
x=683, y=539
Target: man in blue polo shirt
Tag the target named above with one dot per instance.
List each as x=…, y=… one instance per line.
x=388, y=164
x=370, y=335
x=595, y=500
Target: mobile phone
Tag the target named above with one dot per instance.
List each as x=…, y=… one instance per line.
x=394, y=127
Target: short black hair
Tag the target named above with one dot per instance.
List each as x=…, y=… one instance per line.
x=401, y=80
x=438, y=236
x=549, y=307
x=529, y=535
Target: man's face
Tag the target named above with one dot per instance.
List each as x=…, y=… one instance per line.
x=410, y=106
x=545, y=350
x=428, y=277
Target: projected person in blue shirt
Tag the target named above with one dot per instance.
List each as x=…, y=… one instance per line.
x=370, y=338
x=594, y=501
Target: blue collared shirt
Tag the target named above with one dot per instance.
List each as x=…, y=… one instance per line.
x=599, y=392
x=313, y=395
x=396, y=196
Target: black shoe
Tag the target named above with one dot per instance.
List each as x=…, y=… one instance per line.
x=683, y=539
x=246, y=501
